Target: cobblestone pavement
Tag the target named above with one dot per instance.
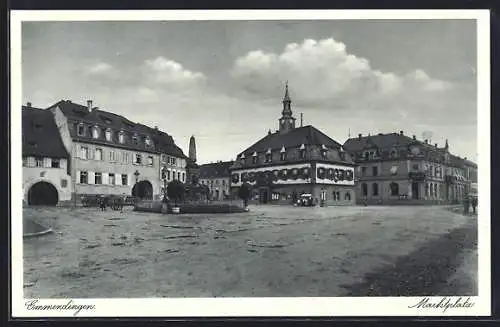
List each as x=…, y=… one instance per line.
x=269, y=251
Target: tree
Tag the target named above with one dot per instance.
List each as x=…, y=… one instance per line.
x=244, y=193
x=175, y=191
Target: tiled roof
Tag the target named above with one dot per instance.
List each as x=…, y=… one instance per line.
x=40, y=134
x=213, y=170
x=380, y=141
x=163, y=142
x=307, y=135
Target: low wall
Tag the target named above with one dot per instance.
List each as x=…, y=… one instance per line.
x=157, y=206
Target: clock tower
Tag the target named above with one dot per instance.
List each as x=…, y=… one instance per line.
x=287, y=121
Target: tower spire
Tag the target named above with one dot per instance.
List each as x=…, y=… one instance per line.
x=287, y=121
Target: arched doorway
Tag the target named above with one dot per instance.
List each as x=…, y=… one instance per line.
x=43, y=193
x=143, y=190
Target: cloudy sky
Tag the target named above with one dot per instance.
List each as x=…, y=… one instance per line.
x=223, y=81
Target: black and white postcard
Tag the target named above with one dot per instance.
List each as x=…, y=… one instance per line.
x=250, y=163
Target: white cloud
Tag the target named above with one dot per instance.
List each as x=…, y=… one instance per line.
x=322, y=71
x=165, y=71
x=101, y=69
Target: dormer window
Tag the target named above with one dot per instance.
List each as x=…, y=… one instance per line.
x=324, y=151
x=283, y=154
x=80, y=129
x=135, y=139
x=394, y=154
x=147, y=141
x=95, y=132
x=242, y=158
x=108, y=134
x=254, y=158
x=268, y=155
x=121, y=137
x=302, y=151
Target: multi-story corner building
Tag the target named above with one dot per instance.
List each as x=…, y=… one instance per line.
x=394, y=167
x=110, y=155
x=46, y=179
x=217, y=177
x=293, y=161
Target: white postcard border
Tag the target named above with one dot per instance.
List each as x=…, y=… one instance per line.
x=225, y=307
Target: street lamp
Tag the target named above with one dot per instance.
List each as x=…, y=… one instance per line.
x=164, y=177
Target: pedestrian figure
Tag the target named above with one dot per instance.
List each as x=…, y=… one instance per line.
x=466, y=205
x=474, y=205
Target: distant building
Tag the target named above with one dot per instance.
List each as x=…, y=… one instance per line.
x=46, y=178
x=295, y=160
x=217, y=177
x=394, y=167
x=112, y=155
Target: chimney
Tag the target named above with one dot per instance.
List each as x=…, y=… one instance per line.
x=89, y=105
x=28, y=104
x=435, y=145
x=401, y=133
x=465, y=158
x=414, y=137
x=426, y=141
x=301, y=119
x=156, y=128
x=359, y=136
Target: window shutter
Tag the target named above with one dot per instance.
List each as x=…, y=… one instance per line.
x=105, y=179
x=91, y=177
x=130, y=181
x=118, y=179
x=77, y=176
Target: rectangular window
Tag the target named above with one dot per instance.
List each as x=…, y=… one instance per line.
x=38, y=162
x=25, y=162
x=363, y=171
x=150, y=160
x=174, y=161
x=83, y=177
x=138, y=159
x=168, y=174
x=375, y=171
x=282, y=156
x=84, y=152
x=178, y=176
x=183, y=177
x=81, y=130
x=121, y=137
x=112, y=179
x=415, y=167
x=134, y=140
x=163, y=158
x=55, y=163
x=98, y=178
x=112, y=156
x=223, y=182
x=64, y=183
x=124, y=179
x=302, y=154
x=254, y=160
x=98, y=154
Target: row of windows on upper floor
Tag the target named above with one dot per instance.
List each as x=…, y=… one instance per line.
x=211, y=182
x=165, y=175
x=97, y=132
x=284, y=155
x=431, y=170
x=43, y=162
x=99, y=178
x=87, y=153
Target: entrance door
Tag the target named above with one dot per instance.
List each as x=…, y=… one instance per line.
x=414, y=191
x=43, y=193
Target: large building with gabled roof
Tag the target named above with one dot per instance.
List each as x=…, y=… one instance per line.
x=111, y=155
x=46, y=176
x=295, y=160
x=395, y=168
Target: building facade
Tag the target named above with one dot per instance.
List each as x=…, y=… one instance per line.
x=110, y=155
x=295, y=160
x=46, y=178
x=216, y=177
x=394, y=168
